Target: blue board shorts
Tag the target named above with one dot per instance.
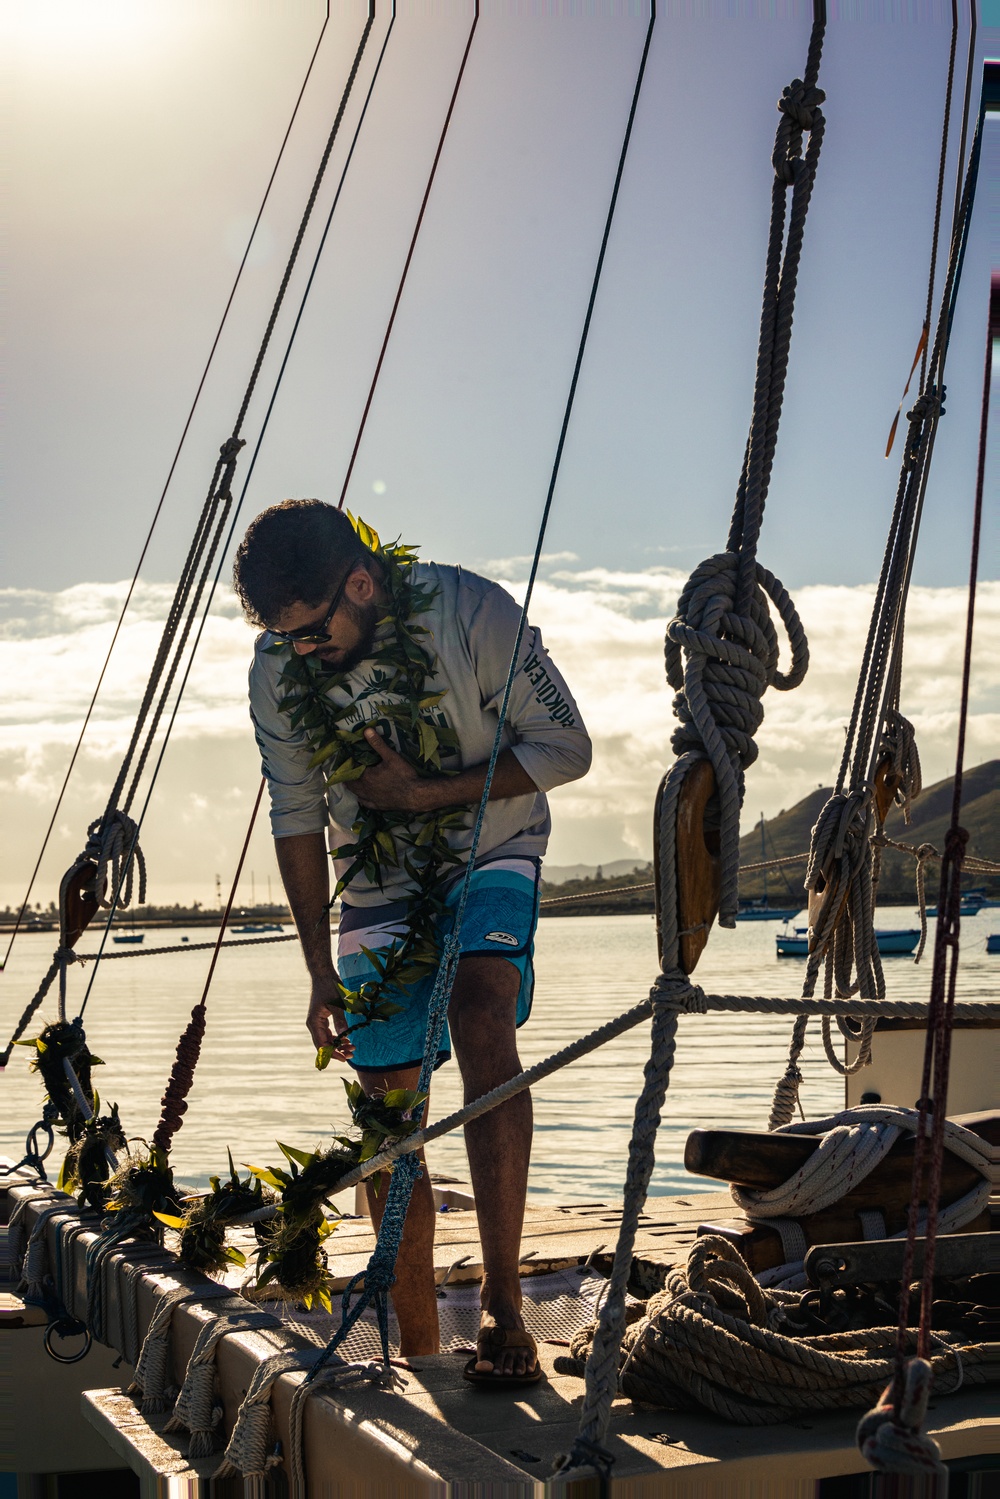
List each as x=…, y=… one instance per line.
x=500, y=918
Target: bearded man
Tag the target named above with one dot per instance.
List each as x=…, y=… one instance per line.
x=409, y=665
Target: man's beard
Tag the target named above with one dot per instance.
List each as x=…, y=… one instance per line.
x=366, y=618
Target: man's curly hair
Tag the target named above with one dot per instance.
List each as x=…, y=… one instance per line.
x=293, y=553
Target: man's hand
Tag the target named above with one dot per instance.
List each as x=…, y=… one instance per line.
x=392, y=785
x=321, y=1012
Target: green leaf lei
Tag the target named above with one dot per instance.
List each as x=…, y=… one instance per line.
x=416, y=842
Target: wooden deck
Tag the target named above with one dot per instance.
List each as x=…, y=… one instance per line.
x=435, y=1435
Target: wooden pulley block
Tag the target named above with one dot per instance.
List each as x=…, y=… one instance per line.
x=699, y=869
x=79, y=901
x=822, y=897
x=887, y=783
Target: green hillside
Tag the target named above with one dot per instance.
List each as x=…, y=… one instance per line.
x=788, y=833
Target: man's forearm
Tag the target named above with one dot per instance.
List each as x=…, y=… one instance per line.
x=509, y=779
x=305, y=872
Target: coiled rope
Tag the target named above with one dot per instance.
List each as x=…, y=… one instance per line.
x=707, y=1343
x=724, y=629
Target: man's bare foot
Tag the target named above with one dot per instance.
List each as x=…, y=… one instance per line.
x=504, y=1346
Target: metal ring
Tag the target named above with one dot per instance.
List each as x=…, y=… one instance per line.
x=67, y=1327
x=31, y=1141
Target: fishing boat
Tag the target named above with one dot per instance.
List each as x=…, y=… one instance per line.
x=795, y=944
x=761, y=909
x=967, y=908
x=163, y=1332
x=128, y=939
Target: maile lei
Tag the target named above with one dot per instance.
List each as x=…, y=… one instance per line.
x=417, y=843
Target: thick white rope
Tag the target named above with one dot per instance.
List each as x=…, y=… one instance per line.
x=250, y=1449
x=196, y=1409
x=152, y=1365
x=333, y=1374
x=852, y=1145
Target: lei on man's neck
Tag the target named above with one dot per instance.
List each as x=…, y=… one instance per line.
x=417, y=843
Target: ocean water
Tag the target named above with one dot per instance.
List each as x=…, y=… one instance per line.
x=256, y=1082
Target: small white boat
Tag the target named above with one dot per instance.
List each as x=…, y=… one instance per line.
x=890, y=944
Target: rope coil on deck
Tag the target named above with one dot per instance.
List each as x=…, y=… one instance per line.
x=706, y=1343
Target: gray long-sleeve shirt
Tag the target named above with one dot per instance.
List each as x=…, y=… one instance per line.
x=473, y=625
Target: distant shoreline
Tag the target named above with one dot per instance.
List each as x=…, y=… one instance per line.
x=610, y=903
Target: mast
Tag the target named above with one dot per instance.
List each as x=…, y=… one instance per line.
x=763, y=855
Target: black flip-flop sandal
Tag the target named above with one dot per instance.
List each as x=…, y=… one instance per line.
x=491, y=1341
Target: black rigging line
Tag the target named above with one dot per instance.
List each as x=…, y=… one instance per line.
x=246, y=483
x=939, y=195
x=409, y=256
x=166, y=485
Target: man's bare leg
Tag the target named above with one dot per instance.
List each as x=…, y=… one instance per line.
x=413, y=1295
x=481, y=1018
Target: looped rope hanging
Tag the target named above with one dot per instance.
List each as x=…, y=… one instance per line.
x=113, y=842
x=719, y=663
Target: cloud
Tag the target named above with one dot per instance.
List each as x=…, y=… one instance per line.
x=604, y=628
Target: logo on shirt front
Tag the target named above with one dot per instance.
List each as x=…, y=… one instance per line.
x=504, y=937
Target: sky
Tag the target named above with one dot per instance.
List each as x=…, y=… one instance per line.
x=141, y=136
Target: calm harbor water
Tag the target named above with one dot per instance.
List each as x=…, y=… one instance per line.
x=256, y=1083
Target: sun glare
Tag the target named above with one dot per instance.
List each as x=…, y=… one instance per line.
x=55, y=32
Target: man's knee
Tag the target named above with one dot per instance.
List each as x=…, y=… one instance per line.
x=482, y=1015
x=485, y=995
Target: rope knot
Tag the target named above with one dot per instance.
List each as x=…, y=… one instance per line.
x=892, y=1441
x=586, y=1454
x=799, y=101
x=114, y=840
x=927, y=405
x=675, y=991
x=65, y=955
x=230, y=449
x=955, y=840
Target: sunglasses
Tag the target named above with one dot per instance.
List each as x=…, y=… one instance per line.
x=314, y=634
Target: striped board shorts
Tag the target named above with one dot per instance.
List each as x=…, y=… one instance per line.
x=500, y=918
